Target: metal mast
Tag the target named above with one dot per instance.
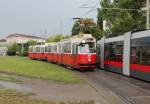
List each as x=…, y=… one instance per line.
x=147, y=14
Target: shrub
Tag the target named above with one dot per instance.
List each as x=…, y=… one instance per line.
x=13, y=49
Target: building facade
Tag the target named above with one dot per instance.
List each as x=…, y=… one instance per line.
x=3, y=42
x=19, y=39
x=22, y=38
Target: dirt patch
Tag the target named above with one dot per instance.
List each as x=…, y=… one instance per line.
x=48, y=90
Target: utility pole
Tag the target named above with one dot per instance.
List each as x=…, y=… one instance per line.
x=21, y=42
x=45, y=35
x=147, y=14
x=61, y=27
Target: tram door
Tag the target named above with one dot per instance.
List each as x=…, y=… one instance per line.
x=74, y=54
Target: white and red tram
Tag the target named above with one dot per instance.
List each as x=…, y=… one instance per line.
x=76, y=52
x=37, y=52
x=128, y=54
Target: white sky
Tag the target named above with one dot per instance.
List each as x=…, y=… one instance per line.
x=34, y=16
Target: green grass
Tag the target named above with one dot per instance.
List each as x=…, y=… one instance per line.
x=14, y=97
x=6, y=78
x=38, y=69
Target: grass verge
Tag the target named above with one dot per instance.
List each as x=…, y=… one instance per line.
x=13, y=97
x=37, y=69
x=10, y=79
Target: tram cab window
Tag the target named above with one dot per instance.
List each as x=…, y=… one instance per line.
x=86, y=48
x=30, y=49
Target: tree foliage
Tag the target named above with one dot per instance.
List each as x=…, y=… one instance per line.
x=86, y=26
x=121, y=20
x=13, y=49
x=55, y=38
x=32, y=42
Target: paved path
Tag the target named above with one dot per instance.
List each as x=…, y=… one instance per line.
x=113, y=86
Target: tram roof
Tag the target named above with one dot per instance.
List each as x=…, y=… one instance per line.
x=78, y=38
x=141, y=34
x=134, y=35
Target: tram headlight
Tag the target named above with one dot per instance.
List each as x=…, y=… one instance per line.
x=89, y=60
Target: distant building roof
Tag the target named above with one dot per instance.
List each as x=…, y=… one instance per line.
x=2, y=40
x=23, y=35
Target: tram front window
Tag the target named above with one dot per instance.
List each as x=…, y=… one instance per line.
x=86, y=48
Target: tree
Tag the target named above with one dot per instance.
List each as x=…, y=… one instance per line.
x=120, y=21
x=55, y=38
x=31, y=42
x=86, y=26
x=83, y=26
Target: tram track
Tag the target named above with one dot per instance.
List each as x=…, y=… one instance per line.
x=126, y=90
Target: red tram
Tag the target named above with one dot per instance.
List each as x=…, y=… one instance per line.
x=76, y=52
x=128, y=54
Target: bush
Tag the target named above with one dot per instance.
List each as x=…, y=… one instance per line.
x=13, y=49
x=24, y=53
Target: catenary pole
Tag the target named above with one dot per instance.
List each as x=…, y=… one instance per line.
x=147, y=14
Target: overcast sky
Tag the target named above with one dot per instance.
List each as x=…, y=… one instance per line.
x=34, y=16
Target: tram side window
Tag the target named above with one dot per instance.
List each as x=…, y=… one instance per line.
x=106, y=56
x=67, y=48
x=55, y=48
x=145, y=55
x=49, y=49
x=46, y=48
x=140, y=51
x=42, y=49
x=38, y=49
x=119, y=53
x=59, y=48
x=114, y=51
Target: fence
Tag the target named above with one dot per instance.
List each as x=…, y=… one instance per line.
x=3, y=50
